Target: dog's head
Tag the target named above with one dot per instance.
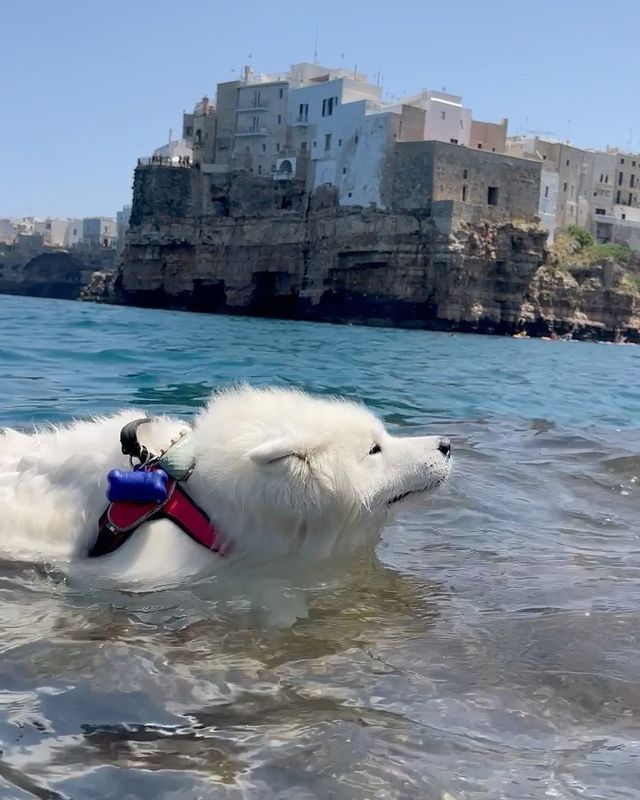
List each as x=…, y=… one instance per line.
x=305, y=468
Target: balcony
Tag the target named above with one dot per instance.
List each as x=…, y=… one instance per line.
x=259, y=131
x=258, y=107
x=301, y=119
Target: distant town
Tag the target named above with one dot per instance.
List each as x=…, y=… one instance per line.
x=322, y=126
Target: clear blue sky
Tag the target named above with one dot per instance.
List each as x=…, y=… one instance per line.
x=87, y=87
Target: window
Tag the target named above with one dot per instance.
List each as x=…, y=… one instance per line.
x=75, y=231
x=492, y=196
x=327, y=141
x=620, y=177
x=355, y=139
x=256, y=98
x=461, y=124
x=464, y=194
x=264, y=147
x=339, y=142
x=622, y=160
x=344, y=170
x=259, y=169
x=633, y=163
x=453, y=141
x=624, y=216
x=632, y=181
x=327, y=106
x=303, y=112
x=601, y=211
x=479, y=147
x=281, y=93
x=568, y=164
x=278, y=147
x=315, y=144
x=464, y=174
x=279, y=119
x=618, y=197
x=564, y=187
x=444, y=114
x=350, y=194
x=303, y=146
x=601, y=176
x=606, y=179
x=255, y=123
x=546, y=191
x=188, y=131
x=630, y=199
x=47, y=226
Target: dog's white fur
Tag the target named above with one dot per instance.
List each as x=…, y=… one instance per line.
x=289, y=479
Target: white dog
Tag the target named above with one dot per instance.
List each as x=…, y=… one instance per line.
x=296, y=486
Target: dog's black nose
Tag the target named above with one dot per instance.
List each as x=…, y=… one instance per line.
x=444, y=446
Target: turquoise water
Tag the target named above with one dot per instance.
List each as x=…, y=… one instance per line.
x=494, y=653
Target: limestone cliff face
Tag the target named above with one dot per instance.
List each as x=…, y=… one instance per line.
x=260, y=248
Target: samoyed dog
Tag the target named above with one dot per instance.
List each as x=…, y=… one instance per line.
x=297, y=485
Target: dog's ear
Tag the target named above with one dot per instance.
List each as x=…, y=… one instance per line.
x=277, y=449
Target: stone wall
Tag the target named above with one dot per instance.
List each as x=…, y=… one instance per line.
x=436, y=171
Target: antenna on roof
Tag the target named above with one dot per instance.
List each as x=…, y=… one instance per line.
x=315, y=48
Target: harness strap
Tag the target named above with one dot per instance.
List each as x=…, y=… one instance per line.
x=121, y=519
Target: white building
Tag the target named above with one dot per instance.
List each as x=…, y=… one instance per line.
x=8, y=232
x=99, y=231
x=174, y=149
x=73, y=235
x=549, y=185
x=446, y=119
x=122, y=224
x=53, y=231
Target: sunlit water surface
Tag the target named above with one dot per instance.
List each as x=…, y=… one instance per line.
x=493, y=654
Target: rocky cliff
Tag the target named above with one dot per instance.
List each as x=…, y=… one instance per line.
x=31, y=268
x=260, y=248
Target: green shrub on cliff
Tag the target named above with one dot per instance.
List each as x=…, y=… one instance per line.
x=618, y=253
x=578, y=248
x=581, y=236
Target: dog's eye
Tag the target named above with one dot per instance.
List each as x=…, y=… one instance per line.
x=375, y=448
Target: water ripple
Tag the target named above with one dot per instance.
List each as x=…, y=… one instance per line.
x=492, y=654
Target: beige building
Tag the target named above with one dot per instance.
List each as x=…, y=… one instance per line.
x=199, y=131
x=627, y=179
x=491, y=136
x=573, y=168
x=261, y=127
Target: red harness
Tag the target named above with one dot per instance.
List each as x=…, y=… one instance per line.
x=121, y=519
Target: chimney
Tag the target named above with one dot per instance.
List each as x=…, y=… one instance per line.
x=205, y=106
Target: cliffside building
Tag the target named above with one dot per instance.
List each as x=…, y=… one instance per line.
x=324, y=126
x=99, y=232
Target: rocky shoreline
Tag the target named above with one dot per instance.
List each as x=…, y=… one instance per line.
x=258, y=249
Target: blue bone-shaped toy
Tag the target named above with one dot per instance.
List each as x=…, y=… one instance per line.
x=137, y=486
